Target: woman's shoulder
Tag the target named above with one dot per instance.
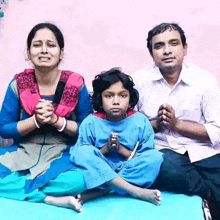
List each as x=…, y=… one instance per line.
x=13, y=87
x=72, y=77
x=70, y=73
x=24, y=73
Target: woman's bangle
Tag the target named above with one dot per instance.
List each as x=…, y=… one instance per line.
x=35, y=121
x=64, y=125
x=55, y=121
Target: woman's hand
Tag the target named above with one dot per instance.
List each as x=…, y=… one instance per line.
x=45, y=112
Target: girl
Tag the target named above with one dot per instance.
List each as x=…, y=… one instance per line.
x=108, y=139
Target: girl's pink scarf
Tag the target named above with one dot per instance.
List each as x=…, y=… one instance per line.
x=29, y=92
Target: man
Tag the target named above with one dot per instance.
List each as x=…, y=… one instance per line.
x=182, y=103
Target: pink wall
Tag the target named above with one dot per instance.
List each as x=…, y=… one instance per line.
x=100, y=34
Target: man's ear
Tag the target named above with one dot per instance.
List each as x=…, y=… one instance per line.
x=185, y=49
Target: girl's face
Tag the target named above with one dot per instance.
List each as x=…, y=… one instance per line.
x=44, y=50
x=115, y=101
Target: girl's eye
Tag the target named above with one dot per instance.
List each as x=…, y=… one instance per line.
x=124, y=95
x=36, y=45
x=108, y=96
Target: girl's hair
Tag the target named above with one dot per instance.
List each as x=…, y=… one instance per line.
x=56, y=31
x=105, y=79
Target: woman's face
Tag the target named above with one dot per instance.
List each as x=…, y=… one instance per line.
x=44, y=50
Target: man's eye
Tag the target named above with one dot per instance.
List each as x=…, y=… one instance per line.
x=174, y=43
x=157, y=46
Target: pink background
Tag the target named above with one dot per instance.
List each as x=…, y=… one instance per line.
x=101, y=34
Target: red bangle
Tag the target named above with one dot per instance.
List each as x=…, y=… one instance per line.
x=55, y=121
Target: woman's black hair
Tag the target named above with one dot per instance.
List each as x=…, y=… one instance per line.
x=105, y=79
x=58, y=34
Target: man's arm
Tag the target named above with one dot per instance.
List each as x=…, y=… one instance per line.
x=192, y=130
x=166, y=119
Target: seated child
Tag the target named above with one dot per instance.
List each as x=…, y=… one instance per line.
x=108, y=139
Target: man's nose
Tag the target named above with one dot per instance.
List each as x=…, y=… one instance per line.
x=167, y=49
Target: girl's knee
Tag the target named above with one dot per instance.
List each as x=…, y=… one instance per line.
x=83, y=152
x=153, y=157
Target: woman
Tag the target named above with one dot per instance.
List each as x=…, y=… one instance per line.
x=42, y=111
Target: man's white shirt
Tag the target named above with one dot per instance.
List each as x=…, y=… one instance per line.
x=195, y=97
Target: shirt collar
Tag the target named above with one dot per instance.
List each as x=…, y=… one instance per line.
x=184, y=75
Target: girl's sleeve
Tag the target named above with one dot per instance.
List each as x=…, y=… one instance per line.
x=84, y=107
x=86, y=133
x=146, y=137
x=9, y=115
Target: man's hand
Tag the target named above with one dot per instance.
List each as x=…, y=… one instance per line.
x=166, y=118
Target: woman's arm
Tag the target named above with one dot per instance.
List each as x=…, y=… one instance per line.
x=83, y=109
x=70, y=127
x=10, y=124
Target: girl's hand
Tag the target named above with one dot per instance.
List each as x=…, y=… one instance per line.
x=113, y=145
x=113, y=142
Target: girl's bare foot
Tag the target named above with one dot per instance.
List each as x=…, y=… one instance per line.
x=91, y=194
x=66, y=201
x=149, y=195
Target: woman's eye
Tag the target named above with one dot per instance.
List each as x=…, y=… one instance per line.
x=36, y=45
x=51, y=45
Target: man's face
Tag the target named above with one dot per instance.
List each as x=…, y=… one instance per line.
x=168, y=51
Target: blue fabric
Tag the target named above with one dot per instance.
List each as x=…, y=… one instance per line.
x=9, y=114
x=67, y=183
x=173, y=207
x=94, y=133
x=141, y=171
x=4, y=171
x=58, y=166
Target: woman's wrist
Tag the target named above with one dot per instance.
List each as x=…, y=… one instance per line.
x=37, y=124
x=63, y=126
x=55, y=120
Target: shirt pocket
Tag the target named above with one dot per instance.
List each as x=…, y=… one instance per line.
x=190, y=107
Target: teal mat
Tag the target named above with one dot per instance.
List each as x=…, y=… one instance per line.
x=173, y=207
